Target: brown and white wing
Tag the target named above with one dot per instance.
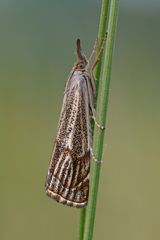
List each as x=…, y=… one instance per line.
x=68, y=174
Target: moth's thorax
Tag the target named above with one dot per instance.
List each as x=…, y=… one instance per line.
x=78, y=79
x=77, y=72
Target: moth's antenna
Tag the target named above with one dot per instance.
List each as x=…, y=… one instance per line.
x=79, y=50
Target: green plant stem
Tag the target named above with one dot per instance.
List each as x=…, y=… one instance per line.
x=101, y=116
x=82, y=223
x=101, y=33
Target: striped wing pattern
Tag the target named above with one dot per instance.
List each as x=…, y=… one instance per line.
x=68, y=174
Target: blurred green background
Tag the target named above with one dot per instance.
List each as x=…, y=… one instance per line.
x=37, y=50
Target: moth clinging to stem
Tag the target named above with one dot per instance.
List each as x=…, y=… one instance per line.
x=67, y=180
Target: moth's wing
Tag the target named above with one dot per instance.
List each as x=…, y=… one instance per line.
x=68, y=174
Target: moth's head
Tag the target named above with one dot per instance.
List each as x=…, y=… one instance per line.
x=81, y=58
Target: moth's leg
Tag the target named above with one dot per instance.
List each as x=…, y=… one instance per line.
x=91, y=103
x=100, y=52
x=95, y=120
x=93, y=76
x=93, y=53
x=97, y=58
x=93, y=157
x=93, y=83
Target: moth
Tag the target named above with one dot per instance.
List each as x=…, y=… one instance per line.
x=67, y=180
